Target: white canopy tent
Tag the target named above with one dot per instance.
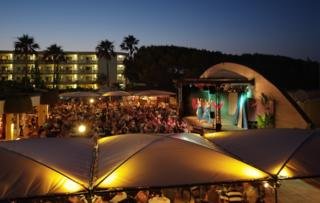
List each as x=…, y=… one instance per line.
x=154, y=93
x=79, y=94
x=59, y=166
x=116, y=94
x=283, y=153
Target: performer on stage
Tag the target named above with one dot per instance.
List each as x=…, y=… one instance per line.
x=199, y=111
x=206, y=112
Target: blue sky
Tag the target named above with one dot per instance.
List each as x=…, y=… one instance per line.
x=289, y=28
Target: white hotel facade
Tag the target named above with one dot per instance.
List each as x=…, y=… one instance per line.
x=80, y=69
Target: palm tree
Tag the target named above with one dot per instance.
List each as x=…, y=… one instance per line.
x=130, y=43
x=25, y=46
x=56, y=55
x=105, y=49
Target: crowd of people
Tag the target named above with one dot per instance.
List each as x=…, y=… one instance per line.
x=226, y=193
x=103, y=117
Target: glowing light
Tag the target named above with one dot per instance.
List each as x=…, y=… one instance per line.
x=242, y=100
x=252, y=172
x=71, y=186
x=91, y=101
x=12, y=130
x=110, y=179
x=284, y=173
x=266, y=184
x=216, y=134
x=82, y=128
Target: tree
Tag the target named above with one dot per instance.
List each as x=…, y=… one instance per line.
x=25, y=46
x=36, y=76
x=130, y=43
x=105, y=49
x=56, y=55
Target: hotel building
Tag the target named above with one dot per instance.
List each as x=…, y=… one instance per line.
x=79, y=70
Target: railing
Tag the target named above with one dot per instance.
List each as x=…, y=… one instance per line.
x=87, y=61
x=68, y=71
x=46, y=71
x=88, y=71
x=4, y=61
x=83, y=81
x=6, y=72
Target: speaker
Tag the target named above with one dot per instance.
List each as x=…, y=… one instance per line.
x=218, y=127
x=212, y=90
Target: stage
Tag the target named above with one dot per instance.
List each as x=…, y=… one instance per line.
x=203, y=126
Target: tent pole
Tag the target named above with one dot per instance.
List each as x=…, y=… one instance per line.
x=276, y=185
x=276, y=195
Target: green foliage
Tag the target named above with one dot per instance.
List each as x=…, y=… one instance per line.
x=266, y=120
x=24, y=47
x=105, y=49
x=55, y=55
x=101, y=79
x=36, y=77
x=129, y=44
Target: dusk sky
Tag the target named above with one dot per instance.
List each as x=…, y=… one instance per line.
x=290, y=28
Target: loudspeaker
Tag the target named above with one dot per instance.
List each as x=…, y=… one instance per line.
x=218, y=127
x=212, y=90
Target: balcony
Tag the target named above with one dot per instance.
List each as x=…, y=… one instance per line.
x=88, y=72
x=68, y=72
x=6, y=61
x=67, y=81
x=6, y=72
x=88, y=61
x=20, y=71
x=87, y=81
x=46, y=71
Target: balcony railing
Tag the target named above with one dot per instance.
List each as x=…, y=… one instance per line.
x=84, y=81
x=68, y=71
x=88, y=71
x=88, y=61
x=46, y=71
x=6, y=61
x=6, y=72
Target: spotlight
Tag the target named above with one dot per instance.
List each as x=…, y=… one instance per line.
x=82, y=128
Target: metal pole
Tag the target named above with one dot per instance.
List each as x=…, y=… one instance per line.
x=276, y=194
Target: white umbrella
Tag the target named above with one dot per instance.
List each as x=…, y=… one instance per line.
x=116, y=94
x=79, y=94
x=154, y=93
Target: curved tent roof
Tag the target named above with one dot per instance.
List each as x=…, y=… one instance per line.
x=283, y=153
x=50, y=166
x=44, y=167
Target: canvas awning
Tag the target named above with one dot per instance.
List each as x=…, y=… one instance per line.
x=283, y=153
x=79, y=94
x=50, y=97
x=116, y=94
x=154, y=93
x=55, y=166
x=18, y=104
